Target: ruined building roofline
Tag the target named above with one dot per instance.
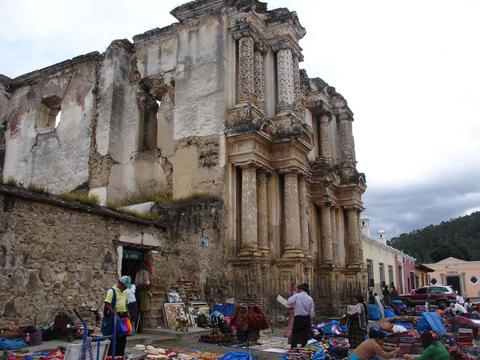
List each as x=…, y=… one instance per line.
x=199, y=7
x=5, y=80
x=168, y=30
x=33, y=75
x=196, y=8
x=283, y=15
x=316, y=84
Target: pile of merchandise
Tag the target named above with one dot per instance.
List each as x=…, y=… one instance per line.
x=153, y=353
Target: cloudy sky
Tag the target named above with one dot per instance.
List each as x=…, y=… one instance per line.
x=409, y=70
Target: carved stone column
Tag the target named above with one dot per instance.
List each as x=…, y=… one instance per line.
x=292, y=217
x=302, y=189
x=246, y=82
x=325, y=142
x=249, y=211
x=262, y=211
x=327, y=246
x=259, y=80
x=353, y=237
x=347, y=144
x=333, y=214
x=285, y=80
x=296, y=80
x=360, y=242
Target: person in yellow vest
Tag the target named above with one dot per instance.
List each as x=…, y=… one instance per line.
x=116, y=300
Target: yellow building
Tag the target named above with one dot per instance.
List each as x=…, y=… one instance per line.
x=380, y=260
x=463, y=276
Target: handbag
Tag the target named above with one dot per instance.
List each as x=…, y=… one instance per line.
x=108, y=319
x=124, y=327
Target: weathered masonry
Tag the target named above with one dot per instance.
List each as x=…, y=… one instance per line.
x=215, y=103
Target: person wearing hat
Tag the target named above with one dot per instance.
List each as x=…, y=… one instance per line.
x=120, y=307
x=304, y=312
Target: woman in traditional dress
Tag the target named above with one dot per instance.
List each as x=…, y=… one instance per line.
x=357, y=321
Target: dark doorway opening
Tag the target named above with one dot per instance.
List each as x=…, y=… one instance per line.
x=454, y=282
x=132, y=260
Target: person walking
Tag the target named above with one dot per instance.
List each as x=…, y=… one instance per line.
x=132, y=306
x=116, y=300
x=304, y=312
x=386, y=295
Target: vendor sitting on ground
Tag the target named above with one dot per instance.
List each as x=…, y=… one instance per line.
x=433, y=349
x=357, y=321
x=457, y=309
x=373, y=347
x=468, y=305
x=440, y=311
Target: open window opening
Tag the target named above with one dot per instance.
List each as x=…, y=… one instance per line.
x=49, y=114
x=58, y=118
x=149, y=113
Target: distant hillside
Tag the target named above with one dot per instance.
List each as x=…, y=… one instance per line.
x=458, y=237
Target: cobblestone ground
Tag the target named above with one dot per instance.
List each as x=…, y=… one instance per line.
x=192, y=343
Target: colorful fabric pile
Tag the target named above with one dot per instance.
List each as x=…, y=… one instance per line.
x=465, y=337
x=318, y=352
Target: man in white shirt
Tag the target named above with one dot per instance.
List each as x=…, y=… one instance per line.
x=460, y=299
x=458, y=309
x=303, y=314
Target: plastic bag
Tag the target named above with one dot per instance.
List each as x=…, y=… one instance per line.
x=11, y=344
x=237, y=356
x=124, y=326
x=373, y=312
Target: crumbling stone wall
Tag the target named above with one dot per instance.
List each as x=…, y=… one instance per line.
x=53, y=257
x=4, y=100
x=193, y=261
x=37, y=151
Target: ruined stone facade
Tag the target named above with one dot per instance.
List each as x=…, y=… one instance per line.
x=215, y=103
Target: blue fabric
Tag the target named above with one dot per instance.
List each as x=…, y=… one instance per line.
x=237, y=356
x=431, y=321
x=373, y=312
x=353, y=357
x=225, y=309
x=11, y=344
x=389, y=312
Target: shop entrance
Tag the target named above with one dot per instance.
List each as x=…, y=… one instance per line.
x=454, y=282
x=132, y=259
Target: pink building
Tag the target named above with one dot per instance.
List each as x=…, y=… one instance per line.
x=405, y=272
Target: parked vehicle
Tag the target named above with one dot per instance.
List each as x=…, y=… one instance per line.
x=437, y=295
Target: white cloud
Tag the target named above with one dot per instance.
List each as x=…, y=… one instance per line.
x=409, y=70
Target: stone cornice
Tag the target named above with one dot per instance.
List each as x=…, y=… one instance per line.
x=283, y=16
x=286, y=42
x=317, y=91
x=156, y=33
x=247, y=26
x=198, y=8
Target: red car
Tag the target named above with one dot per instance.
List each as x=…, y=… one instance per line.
x=438, y=295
